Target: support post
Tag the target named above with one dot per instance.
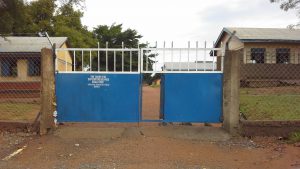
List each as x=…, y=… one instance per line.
x=231, y=85
x=47, y=92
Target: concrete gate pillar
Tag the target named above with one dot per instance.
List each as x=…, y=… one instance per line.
x=231, y=85
x=47, y=92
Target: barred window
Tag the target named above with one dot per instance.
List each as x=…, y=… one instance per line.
x=9, y=67
x=34, y=67
x=258, y=55
x=282, y=55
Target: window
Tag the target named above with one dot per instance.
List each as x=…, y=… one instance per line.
x=8, y=67
x=34, y=67
x=282, y=55
x=258, y=55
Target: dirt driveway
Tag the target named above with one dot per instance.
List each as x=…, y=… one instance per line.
x=95, y=146
x=150, y=103
x=144, y=146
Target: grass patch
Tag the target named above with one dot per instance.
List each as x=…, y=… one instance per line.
x=18, y=111
x=270, y=106
x=294, y=137
x=155, y=85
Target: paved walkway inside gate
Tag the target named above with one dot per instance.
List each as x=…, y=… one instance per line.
x=148, y=146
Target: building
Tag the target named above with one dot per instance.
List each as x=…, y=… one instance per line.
x=263, y=45
x=268, y=55
x=190, y=66
x=20, y=61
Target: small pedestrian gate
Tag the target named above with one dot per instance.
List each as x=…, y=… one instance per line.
x=105, y=85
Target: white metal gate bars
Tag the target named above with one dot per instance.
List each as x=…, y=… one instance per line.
x=140, y=60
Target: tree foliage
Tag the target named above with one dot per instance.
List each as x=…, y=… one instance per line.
x=12, y=16
x=67, y=22
x=115, y=36
x=63, y=18
x=288, y=5
x=19, y=18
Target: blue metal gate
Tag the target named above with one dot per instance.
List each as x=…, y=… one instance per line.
x=106, y=85
x=89, y=93
x=95, y=97
x=191, y=83
x=192, y=97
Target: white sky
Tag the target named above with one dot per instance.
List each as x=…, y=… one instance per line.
x=185, y=20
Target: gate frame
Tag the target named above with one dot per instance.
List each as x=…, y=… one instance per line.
x=141, y=64
x=214, y=69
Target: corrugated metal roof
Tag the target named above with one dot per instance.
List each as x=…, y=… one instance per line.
x=265, y=34
x=28, y=44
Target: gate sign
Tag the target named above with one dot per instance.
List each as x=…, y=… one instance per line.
x=97, y=81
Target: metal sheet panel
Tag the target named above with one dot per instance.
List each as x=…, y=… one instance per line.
x=192, y=97
x=94, y=97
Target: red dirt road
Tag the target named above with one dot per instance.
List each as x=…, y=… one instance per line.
x=92, y=146
x=151, y=103
x=146, y=146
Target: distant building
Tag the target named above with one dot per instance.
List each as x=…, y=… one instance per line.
x=269, y=56
x=190, y=66
x=264, y=45
x=20, y=61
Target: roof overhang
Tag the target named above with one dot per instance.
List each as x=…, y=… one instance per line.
x=20, y=54
x=269, y=41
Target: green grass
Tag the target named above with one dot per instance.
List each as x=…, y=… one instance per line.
x=18, y=111
x=270, y=106
x=294, y=137
x=155, y=85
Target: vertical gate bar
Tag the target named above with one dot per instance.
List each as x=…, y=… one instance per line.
x=147, y=57
x=213, y=53
x=196, y=55
x=82, y=60
x=164, y=55
x=114, y=60
x=98, y=57
x=172, y=56
x=122, y=56
x=155, y=59
x=90, y=60
x=130, y=62
x=141, y=60
x=204, y=67
x=188, y=56
x=56, y=60
x=222, y=57
x=180, y=59
x=74, y=57
x=106, y=55
x=66, y=63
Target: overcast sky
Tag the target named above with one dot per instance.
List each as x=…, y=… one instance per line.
x=185, y=20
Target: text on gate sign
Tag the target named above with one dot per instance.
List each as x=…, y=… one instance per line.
x=97, y=81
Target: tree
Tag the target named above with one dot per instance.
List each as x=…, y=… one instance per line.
x=12, y=16
x=63, y=18
x=114, y=35
x=67, y=22
x=40, y=15
x=288, y=5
